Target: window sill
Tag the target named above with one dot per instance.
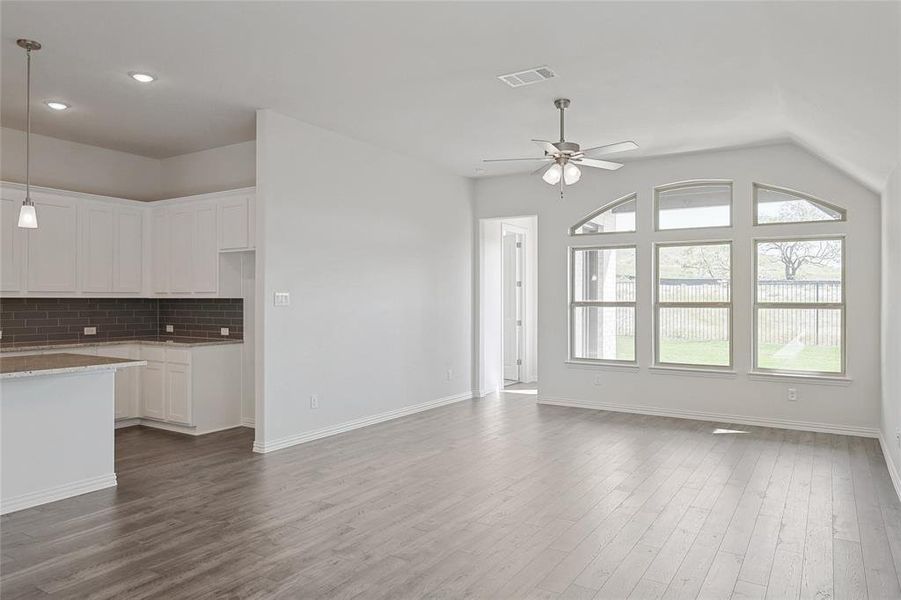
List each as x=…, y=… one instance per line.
x=800, y=377
x=614, y=366
x=693, y=372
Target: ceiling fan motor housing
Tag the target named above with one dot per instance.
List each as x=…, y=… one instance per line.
x=567, y=147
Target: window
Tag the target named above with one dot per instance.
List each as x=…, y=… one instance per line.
x=693, y=204
x=616, y=217
x=693, y=303
x=779, y=205
x=799, y=307
x=602, y=303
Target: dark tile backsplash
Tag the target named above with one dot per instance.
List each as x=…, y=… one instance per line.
x=64, y=319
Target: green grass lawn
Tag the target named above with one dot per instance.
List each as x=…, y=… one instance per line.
x=824, y=359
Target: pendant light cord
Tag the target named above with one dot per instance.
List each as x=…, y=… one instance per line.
x=28, y=125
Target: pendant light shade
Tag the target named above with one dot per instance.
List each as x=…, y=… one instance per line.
x=28, y=218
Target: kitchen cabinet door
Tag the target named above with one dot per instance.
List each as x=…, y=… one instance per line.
x=178, y=393
x=181, y=249
x=206, y=250
x=235, y=223
x=12, y=246
x=97, y=242
x=53, y=247
x=159, y=252
x=127, y=380
x=128, y=264
x=153, y=390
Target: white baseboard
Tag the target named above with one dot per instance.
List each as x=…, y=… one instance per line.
x=309, y=436
x=76, y=488
x=890, y=464
x=185, y=429
x=870, y=432
x=247, y=423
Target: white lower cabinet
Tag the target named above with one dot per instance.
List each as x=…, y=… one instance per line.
x=128, y=381
x=195, y=390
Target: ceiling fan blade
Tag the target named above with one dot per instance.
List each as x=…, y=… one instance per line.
x=610, y=148
x=547, y=146
x=597, y=164
x=541, y=158
x=538, y=170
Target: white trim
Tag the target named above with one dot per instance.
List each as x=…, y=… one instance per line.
x=76, y=488
x=893, y=470
x=799, y=377
x=692, y=371
x=175, y=427
x=870, y=432
x=615, y=366
x=247, y=422
x=309, y=436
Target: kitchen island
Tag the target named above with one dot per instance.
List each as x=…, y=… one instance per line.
x=56, y=423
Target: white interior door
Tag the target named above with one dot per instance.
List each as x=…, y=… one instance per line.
x=513, y=302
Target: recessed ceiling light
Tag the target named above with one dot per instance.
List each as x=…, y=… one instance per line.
x=57, y=105
x=142, y=77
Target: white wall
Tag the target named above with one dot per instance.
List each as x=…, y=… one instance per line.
x=854, y=407
x=375, y=249
x=65, y=165
x=76, y=167
x=215, y=170
x=891, y=320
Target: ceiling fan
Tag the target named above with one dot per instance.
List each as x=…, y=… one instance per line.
x=566, y=157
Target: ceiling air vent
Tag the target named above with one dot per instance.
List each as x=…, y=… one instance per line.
x=527, y=77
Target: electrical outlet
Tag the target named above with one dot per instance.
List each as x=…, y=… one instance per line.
x=223, y=331
x=170, y=328
x=792, y=394
x=598, y=380
x=450, y=374
x=898, y=437
x=90, y=331
x=314, y=401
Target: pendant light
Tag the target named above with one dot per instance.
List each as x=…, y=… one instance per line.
x=28, y=219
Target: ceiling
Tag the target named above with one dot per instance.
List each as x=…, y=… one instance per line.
x=420, y=78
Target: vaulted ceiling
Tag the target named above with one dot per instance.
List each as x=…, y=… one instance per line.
x=420, y=78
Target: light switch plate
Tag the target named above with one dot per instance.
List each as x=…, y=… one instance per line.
x=223, y=331
x=90, y=331
x=282, y=298
x=170, y=328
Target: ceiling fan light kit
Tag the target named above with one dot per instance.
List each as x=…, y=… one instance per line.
x=566, y=157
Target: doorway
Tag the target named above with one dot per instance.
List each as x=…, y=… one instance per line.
x=507, y=352
x=513, y=303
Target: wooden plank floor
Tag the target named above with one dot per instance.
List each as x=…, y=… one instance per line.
x=495, y=498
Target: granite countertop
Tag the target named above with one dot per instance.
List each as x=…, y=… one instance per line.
x=54, y=364
x=187, y=342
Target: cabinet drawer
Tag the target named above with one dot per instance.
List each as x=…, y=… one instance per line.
x=182, y=357
x=153, y=353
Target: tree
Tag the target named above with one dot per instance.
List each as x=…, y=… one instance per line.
x=796, y=253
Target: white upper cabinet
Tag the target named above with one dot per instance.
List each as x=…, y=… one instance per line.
x=206, y=250
x=128, y=245
x=181, y=248
x=97, y=257
x=159, y=251
x=236, y=223
x=53, y=247
x=89, y=245
x=12, y=246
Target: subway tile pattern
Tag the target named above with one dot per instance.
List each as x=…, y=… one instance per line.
x=202, y=317
x=64, y=319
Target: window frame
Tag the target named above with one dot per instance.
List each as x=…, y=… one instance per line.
x=757, y=186
x=609, y=206
x=676, y=185
x=727, y=305
x=572, y=304
x=842, y=306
